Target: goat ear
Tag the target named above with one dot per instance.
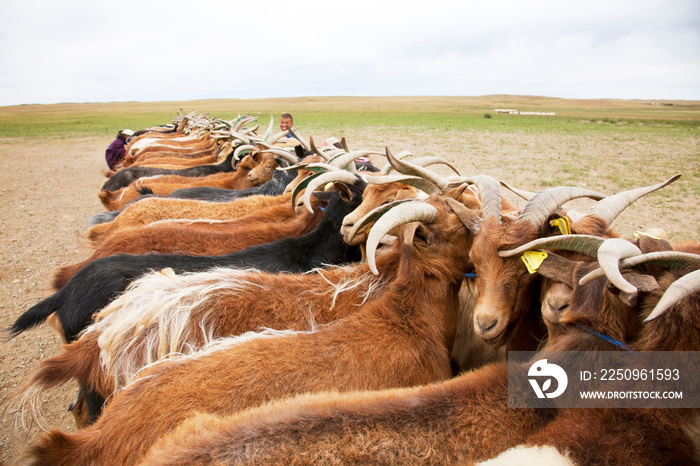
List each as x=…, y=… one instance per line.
x=456, y=193
x=404, y=194
x=641, y=281
x=324, y=196
x=469, y=218
x=649, y=244
x=343, y=191
x=558, y=269
x=413, y=230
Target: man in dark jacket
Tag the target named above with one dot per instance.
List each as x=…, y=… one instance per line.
x=116, y=151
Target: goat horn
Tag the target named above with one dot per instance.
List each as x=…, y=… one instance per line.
x=401, y=214
x=424, y=185
x=241, y=122
x=681, y=288
x=546, y=201
x=278, y=136
x=239, y=149
x=527, y=195
x=315, y=150
x=609, y=208
x=422, y=162
x=387, y=168
x=373, y=215
x=411, y=169
x=489, y=194
x=609, y=255
x=348, y=158
x=298, y=137
x=337, y=176
x=584, y=244
x=670, y=259
x=269, y=128
x=286, y=155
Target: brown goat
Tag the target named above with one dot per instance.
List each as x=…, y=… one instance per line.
x=164, y=185
x=401, y=339
x=462, y=420
x=632, y=436
x=153, y=209
x=164, y=314
x=202, y=238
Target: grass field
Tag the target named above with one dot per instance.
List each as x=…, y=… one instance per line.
x=338, y=114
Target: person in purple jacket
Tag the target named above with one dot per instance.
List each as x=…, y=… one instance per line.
x=116, y=151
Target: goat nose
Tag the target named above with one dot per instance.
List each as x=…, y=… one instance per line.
x=486, y=323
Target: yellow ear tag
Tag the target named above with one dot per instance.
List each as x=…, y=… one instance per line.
x=327, y=186
x=533, y=260
x=638, y=233
x=563, y=224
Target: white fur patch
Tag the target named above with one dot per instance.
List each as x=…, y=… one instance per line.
x=529, y=456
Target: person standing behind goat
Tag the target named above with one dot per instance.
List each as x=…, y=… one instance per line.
x=116, y=151
x=286, y=122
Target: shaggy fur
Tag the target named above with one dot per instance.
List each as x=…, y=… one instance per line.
x=102, y=280
x=115, y=200
x=204, y=237
x=401, y=339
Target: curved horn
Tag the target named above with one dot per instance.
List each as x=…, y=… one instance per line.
x=609, y=255
x=241, y=122
x=609, y=208
x=417, y=182
x=421, y=162
x=546, y=201
x=315, y=150
x=670, y=259
x=387, y=168
x=286, y=155
x=337, y=176
x=269, y=128
x=275, y=138
x=242, y=147
x=489, y=193
x=346, y=159
x=296, y=135
x=527, y=195
x=410, y=169
x=681, y=288
x=584, y=244
x=414, y=211
x=373, y=215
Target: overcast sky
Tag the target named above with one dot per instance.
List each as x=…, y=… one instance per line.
x=101, y=51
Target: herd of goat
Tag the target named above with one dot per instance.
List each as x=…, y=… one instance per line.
x=251, y=300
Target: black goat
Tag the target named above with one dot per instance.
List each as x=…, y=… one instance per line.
x=126, y=176
x=104, y=279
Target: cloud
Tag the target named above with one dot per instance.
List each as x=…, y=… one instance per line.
x=102, y=51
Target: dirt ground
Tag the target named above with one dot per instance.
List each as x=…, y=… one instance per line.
x=48, y=189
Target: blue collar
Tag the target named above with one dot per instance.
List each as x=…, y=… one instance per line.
x=605, y=337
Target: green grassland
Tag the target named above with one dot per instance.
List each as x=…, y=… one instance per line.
x=340, y=113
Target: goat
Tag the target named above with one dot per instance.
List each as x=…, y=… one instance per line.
x=261, y=164
x=206, y=237
x=96, y=284
x=633, y=436
x=462, y=420
x=401, y=339
x=126, y=176
x=284, y=312
x=280, y=179
x=114, y=200
x=505, y=286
